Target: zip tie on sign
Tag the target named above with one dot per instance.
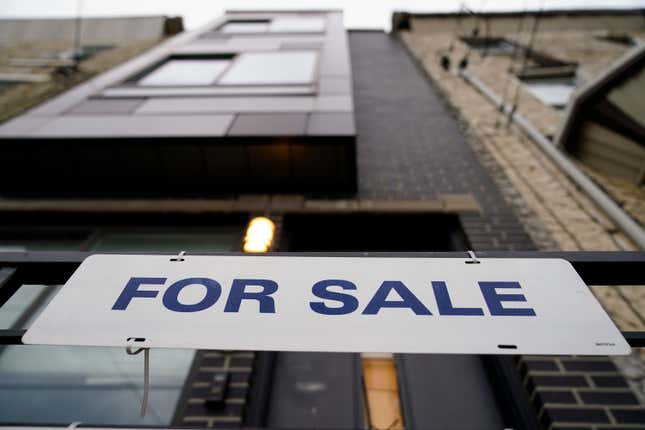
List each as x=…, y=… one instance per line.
x=179, y=257
x=74, y=425
x=146, y=371
x=473, y=258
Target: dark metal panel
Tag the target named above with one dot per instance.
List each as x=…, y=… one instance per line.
x=269, y=163
x=269, y=125
x=316, y=163
x=227, y=163
x=443, y=392
x=316, y=390
x=183, y=165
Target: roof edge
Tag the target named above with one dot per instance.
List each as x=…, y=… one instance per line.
x=621, y=66
x=549, y=12
x=283, y=11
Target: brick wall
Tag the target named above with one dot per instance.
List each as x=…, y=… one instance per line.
x=580, y=392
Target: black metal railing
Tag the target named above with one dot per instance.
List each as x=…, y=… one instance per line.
x=54, y=268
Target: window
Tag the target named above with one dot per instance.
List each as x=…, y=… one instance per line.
x=246, y=26
x=490, y=45
x=211, y=239
x=618, y=39
x=297, y=25
x=88, y=51
x=284, y=24
x=552, y=91
x=271, y=68
x=102, y=386
x=23, y=307
x=286, y=72
x=60, y=385
x=374, y=232
x=186, y=72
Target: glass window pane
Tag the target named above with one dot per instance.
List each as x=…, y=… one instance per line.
x=554, y=92
x=185, y=72
x=169, y=240
x=61, y=385
x=62, y=242
x=245, y=27
x=25, y=305
x=297, y=25
x=270, y=68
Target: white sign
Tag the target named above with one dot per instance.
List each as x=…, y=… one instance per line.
x=357, y=304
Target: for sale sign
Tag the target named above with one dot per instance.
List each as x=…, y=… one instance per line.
x=352, y=304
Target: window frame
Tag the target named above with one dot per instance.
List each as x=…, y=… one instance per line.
x=130, y=86
x=269, y=21
x=546, y=80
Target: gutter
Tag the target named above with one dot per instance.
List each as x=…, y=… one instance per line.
x=631, y=228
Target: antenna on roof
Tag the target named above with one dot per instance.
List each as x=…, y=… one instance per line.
x=463, y=63
x=475, y=32
x=527, y=52
x=444, y=59
x=77, y=53
x=511, y=65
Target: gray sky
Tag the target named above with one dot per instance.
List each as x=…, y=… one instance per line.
x=358, y=13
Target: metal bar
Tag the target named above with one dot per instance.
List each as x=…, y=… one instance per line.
x=28, y=257
x=11, y=337
x=595, y=268
x=635, y=339
x=8, y=284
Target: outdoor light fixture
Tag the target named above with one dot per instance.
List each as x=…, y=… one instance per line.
x=259, y=235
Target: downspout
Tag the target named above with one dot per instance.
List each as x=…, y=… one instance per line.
x=631, y=228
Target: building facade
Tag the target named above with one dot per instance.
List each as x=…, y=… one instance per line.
x=41, y=58
x=345, y=142
x=548, y=67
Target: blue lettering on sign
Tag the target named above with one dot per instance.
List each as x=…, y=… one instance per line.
x=320, y=289
x=239, y=293
x=445, y=304
x=346, y=302
x=131, y=290
x=212, y=292
x=494, y=300
x=409, y=299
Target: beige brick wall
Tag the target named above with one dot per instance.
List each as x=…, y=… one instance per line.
x=566, y=214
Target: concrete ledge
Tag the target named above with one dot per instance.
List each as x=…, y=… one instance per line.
x=271, y=204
